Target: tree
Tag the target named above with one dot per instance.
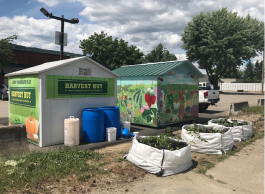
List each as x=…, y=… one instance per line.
x=258, y=70
x=159, y=54
x=249, y=72
x=6, y=56
x=109, y=52
x=220, y=41
x=233, y=73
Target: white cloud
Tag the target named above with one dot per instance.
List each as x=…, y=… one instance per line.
x=181, y=56
x=144, y=23
x=258, y=58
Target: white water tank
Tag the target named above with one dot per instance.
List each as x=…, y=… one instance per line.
x=71, y=131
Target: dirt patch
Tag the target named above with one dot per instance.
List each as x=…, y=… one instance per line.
x=258, y=126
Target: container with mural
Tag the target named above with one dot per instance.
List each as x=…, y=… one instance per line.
x=158, y=94
x=24, y=104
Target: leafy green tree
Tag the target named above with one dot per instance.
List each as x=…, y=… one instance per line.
x=109, y=52
x=6, y=56
x=233, y=73
x=220, y=41
x=249, y=72
x=258, y=70
x=159, y=54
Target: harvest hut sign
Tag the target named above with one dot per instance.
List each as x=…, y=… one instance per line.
x=41, y=97
x=77, y=86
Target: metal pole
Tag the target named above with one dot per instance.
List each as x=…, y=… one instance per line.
x=62, y=38
x=262, y=73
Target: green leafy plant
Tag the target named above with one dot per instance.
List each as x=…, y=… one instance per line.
x=201, y=129
x=162, y=142
x=168, y=131
x=232, y=123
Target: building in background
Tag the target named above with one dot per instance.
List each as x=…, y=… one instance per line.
x=26, y=57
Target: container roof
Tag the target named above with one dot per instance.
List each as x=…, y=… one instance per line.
x=55, y=64
x=154, y=69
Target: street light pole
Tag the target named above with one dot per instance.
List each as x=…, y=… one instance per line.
x=62, y=19
x=62, y=37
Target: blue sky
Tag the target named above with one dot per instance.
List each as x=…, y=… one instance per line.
x=143, y=24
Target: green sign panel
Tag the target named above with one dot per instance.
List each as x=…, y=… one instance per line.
x=58, y=86
x=82, y=87
x=23, y=96
x=24, y=104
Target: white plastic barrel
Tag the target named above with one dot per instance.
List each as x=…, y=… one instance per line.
x=126, y=124
x=71, y=131
x=111, y=133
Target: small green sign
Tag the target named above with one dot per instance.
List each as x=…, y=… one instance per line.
x=82, y=87
x=23, y=96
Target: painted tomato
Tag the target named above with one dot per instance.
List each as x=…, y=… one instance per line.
x=31, y=127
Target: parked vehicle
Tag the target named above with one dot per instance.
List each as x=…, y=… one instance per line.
x=4, y=91
x=205, y=85
x=207, y=96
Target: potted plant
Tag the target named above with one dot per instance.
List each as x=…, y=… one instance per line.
x=211, y=139
x=241, y=129
x=162, y=155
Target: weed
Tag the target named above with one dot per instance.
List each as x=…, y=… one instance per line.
x=84, y=177
x=202, y=170
x=210, y=176
x=121, y=159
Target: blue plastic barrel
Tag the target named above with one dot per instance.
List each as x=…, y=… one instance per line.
x=112, y=118
x=93, y=125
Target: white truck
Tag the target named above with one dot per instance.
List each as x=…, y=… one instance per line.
x=207, y=96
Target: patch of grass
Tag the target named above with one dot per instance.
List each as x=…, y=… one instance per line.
x=205, y=165
x=254, y=110
x=121, y=159
x=36, y=167
x=210, y=176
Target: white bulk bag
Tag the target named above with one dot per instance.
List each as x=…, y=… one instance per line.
x=216, y=142
x=239, y=132
x=160, y=162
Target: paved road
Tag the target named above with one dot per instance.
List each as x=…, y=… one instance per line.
x=229, y=97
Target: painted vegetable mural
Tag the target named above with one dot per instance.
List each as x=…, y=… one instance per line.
x=32, y=128
x=160, y=100
x=24, y=104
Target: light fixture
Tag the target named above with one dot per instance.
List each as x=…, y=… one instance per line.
x=45, y=12
x=74, y=20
